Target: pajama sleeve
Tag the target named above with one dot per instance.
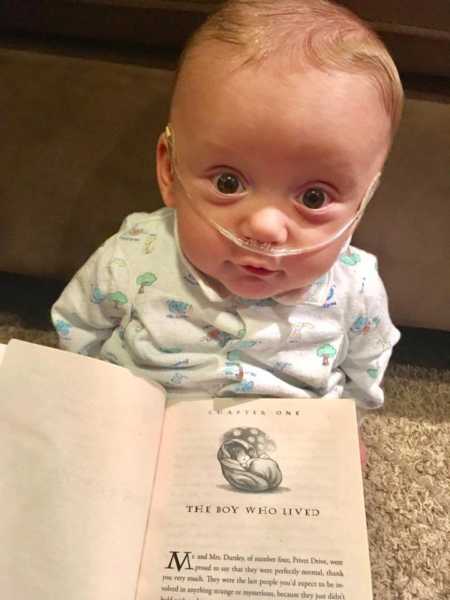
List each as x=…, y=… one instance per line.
x=94, y=302
x=372, y=337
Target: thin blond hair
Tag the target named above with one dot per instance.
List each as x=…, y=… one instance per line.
x=314, y=32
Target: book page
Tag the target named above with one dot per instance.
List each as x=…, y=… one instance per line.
x=258, y=499
x=78, y=444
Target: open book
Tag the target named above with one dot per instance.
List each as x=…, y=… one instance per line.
x=111, y=491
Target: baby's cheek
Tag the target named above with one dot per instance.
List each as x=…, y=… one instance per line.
x=212, y=257
x=205, y=257
x=309, y=267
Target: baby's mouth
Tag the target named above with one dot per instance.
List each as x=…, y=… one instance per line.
x=261, y=271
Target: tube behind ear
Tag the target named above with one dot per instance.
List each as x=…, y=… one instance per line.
x=168, y=133
x=371, y=190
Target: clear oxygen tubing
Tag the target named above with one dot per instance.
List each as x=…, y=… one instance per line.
x=267, y=248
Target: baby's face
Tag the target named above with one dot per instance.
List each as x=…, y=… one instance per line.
x=243, y=458
x=278, y=158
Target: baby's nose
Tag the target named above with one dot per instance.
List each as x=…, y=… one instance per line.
x=267, y=224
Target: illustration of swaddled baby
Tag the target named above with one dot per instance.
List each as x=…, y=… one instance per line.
x=245, y=463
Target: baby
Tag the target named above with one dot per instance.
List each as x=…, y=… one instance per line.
x=246, y=470
x=282, y=116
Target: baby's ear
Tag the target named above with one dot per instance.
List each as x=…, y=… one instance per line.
x=164, y=170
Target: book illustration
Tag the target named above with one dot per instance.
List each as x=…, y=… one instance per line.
x=245, y=462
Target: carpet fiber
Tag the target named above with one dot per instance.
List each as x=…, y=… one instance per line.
x=406, y=480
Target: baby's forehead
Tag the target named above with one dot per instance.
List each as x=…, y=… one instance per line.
x=216, y=91
x=222, y=67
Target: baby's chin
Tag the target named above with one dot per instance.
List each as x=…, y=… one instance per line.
x=261, y=291
x=255, y=288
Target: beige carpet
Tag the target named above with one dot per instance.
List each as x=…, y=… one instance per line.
x=407, y=486
x=406, y=480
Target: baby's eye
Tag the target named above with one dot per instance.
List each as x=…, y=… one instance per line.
x=228, y=183
x=313, y=198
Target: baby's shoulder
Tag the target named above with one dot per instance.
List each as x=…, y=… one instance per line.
x=355, y=268
x=143, y=234
x=143, y=240
x=139, y=224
